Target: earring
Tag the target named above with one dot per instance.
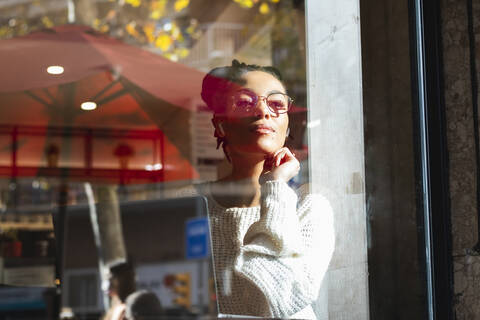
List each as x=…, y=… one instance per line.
x=220, y=130
x=288, y=132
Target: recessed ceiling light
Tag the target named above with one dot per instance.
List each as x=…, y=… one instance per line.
x=153, y=167
x=167, y=26
x=89, y=105
x=55, y=69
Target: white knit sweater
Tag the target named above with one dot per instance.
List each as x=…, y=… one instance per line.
x=270, y=260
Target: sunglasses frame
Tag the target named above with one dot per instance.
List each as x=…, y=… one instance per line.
x=256, y=98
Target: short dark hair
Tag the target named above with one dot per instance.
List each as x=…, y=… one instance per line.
x=143, y=305
x=124, y=273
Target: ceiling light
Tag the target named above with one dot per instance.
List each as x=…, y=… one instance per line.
x=167, y=26
x=55, y=69
x=88, y=105
x=153, y=167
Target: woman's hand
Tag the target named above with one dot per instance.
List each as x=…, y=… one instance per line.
x=282, y=165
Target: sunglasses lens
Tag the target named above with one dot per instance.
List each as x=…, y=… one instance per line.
x=278, y=102
x=244, y=101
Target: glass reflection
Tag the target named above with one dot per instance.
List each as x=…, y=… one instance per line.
x=107, y=93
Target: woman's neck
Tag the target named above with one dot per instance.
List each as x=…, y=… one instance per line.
x=246, y=171
x=241, y=188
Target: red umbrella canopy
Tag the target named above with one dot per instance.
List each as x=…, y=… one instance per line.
x=134, y=90
x=81, y=51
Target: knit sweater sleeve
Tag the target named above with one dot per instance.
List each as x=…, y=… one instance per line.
x=286, y=253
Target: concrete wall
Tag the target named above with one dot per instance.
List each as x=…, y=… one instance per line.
x=461, y=148
x=336, y=149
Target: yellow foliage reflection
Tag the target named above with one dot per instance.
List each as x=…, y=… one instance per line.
x=181, y=4
x=264, y=8
x=134, y=3
x=164, y=41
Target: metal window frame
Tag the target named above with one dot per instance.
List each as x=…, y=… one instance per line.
x=432, y=154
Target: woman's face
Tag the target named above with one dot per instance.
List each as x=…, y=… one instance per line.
x=254, y=128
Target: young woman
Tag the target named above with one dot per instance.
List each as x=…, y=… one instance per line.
x=271, y=245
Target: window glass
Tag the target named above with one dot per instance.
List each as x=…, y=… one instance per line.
x=176, y=158
x=109, y=143
x=396, y=240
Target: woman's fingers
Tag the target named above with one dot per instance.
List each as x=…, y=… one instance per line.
x=283, y=155
x=278, y=158
x=282, y=165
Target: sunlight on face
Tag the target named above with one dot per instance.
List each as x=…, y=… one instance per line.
x=257, y=128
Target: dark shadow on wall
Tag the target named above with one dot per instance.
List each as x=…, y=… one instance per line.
x=395, y=263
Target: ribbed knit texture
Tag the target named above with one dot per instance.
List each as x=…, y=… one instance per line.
x=270, y=260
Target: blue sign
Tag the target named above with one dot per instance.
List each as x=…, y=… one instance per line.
x=197, y=238
x=13, y=298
